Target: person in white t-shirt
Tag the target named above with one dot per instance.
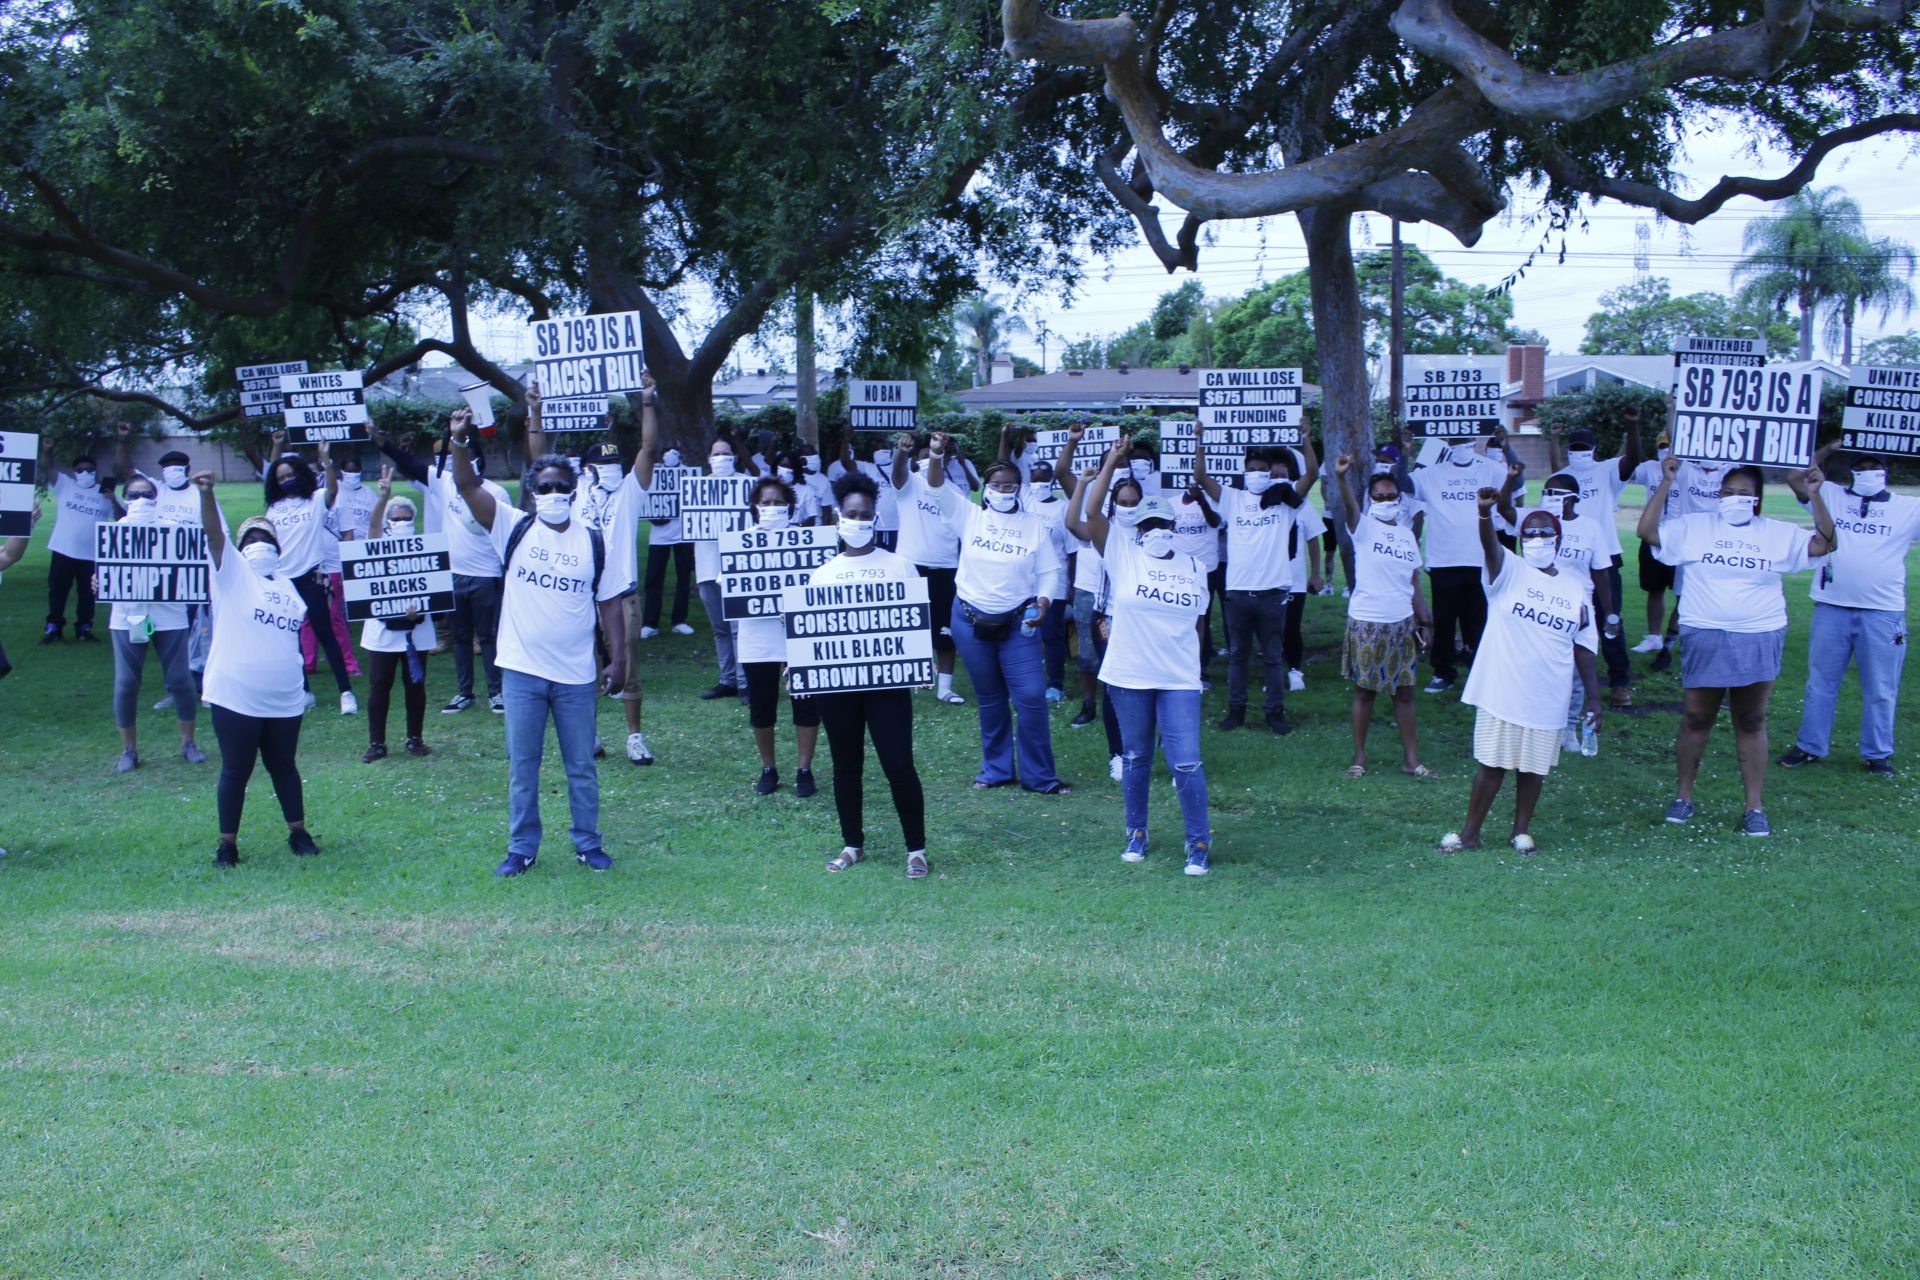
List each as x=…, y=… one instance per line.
x=1859, y=612
x=1152, y=668
x=666, y=542
x=1583, y=558
x=1733, y=620
x=885, y=715
x=1387, y=619
x=1695, y=490
x=254, y=688
x=1539, y=633
x=159, y=627
x=1043, y=496
x=1303, y=472
x=1197, y=531
x=1601, y=481
x=80, y=506
x=879, y=469
x=1447, y=494
x=555, y=584
x=1261, y=520
x=396, y=647
x=722, y=460
x=298, y=510
x=762, y=645
x=932, y=544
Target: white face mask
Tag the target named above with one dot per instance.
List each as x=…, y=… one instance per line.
x=1736, y=508
x=883, y=457
x=1460, y=455
x=1386, y=512
x=350, y=480
x=923, y=467
x=1040, y=492
x=1556, y=501
x=554, y=508
x=142, y=510
x=1383, y=468
x=856, y=533
x=399, y=528
x=174, y=477
x=1157, y=543
x=671, y=458
x=775, y=516
x=1538, y=552
x=1579, y=457
x=1141, y=469
x=785, y=473
x=1003, y=500
x=607, y=476
x=813, y=463
x=1661, y=453
x=1126, y=517
x=721, y=464
x=87, y=479
x=1258, y=482
x=1869, y=484
x=264, y=557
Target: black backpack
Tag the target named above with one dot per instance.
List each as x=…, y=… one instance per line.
x=519, y=535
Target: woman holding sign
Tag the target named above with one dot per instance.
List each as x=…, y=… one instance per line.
x=297, y=509
x=1151, y=668
x=253, y=677
x=885, y=715
x=1733, y=619
x=395, y=645
x=762, y=646
x=160, y=627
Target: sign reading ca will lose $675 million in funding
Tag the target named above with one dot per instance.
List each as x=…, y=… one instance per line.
x=1883, y=411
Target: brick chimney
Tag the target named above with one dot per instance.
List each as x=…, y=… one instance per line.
x=1527, y=365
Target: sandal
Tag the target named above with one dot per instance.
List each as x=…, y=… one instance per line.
x=981, y=784
x=1451, y=843
x=1524, y=845
x=1057, y=789
x=916, y=865
x=1356, y=771
x=844, y=859
x=1420, y=771
x=951, y=699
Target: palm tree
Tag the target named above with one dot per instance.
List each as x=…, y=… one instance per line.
x=1802, y=256
x=985, y=323
x=1878, y=272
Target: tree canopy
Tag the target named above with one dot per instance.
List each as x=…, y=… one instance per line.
x=1644, y=318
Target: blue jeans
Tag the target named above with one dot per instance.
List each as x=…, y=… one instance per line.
x=529, y=699
x=1875, y=641
x=1176, y=714
x=1007, y=677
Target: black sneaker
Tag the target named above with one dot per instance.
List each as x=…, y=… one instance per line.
x=1277, y=721
x=718, y=692
x=768, y=784
x=1235, y=717
x=1795, y=758
x=85, y=632
x=52, y=634
x=1881, y=768
x=515, y=864
x=1662, y=661
x=1085, y=718
x=415, y=747
x=302, y=843
x=375, y=751
x=803, y=784
x=226, y=855
x=1439, y=684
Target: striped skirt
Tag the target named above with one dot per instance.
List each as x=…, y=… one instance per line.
x=1501, y=745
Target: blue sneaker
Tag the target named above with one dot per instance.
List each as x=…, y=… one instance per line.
x=594, y=859
x=1056, y=695
x=1680, y=812
x=1755, y=823
x=1197, y=858
x=515, y=864
x=1136, y=847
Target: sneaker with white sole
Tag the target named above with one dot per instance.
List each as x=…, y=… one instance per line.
x=312, y=701
x=648, y=633
x=349, y=705
x=1649, y=644
x=682, y=629
x=457, y=703
x=1680, y=812
x=1439, y=684
x=497, y=703
x=1136, y=850
x=1296, y=682
x=1116, y=767
x=1755, y=823
x=637, y=749
x=164, y=703
x=1197, y=857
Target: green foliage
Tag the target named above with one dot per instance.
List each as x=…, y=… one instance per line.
x=1644, y=319
x=1896, y=349
x=1816, y=254
x=1601, y=410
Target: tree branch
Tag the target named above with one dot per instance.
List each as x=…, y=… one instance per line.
x=1862, y=17
x=1146, y=213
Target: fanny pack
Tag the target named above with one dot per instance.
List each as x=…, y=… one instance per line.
x=992, y=626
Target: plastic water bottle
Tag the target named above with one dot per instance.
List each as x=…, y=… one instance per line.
x=1589, y=740
x=1030, y=620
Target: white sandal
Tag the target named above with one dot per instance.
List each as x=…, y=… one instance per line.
x=1523, y=843
x=951, y=699
x=1451, y=843
x=846, y=858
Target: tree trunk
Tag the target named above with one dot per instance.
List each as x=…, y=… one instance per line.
x=806, y=413
x=1846, y=334
x=1806, y=324
x=1339, y=332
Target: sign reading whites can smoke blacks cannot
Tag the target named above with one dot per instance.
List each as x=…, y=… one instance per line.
x=573, y=413
x=882, y=406
x=325, y=407
x=387, y=577
x=596, y=355
x=1253, y=407
x=756, y=565
x=1724, y=353
x=712, y=505
x=19, y=473
x=1452, y=404
x=662, y=500
x=848, y=636
x=151, y=563
x=260, y=394
x=1047, y=446
x=1765, y=416
x=1883, y=410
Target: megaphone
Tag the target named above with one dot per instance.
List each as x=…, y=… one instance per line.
x=479, y=398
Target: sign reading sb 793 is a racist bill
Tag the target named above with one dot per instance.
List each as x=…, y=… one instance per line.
x=586, y=356
x=1763, y=416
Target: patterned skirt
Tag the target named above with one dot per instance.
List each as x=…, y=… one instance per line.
x=1380, y=656
x=1499, y=744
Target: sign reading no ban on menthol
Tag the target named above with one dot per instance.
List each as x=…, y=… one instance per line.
x=260, y=394
x=1883, y=411
x=756, y=565
x=19, y=473
x=325, y=408
x=596, y=355
x=1765, y=416
x=844, y=637
x=150, y=563
x=712, y=505
x=883, y=406
x=390, y=577
x=1254, y=408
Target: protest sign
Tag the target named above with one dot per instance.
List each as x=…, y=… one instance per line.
x=1179, y=439
x=1252, y=408
x=1725, y=353
x=882, y=406
x=756, y=565
x=573, y=413
x=387, y=577
x=712, y=505
x=1452, y=404
x=325, y=407
x=1882, y=413
x=661, y=500
x=593, y=355
x=1765, y=416
x=847, y=636
x=260, y=394
x=150, y=563
x=1047, y=446
x=19, y=473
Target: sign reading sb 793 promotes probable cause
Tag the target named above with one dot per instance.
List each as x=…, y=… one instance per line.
x=325, y=408
x=756, y=565
x=1452, y=403
x=1763, y=416
x=596, y=355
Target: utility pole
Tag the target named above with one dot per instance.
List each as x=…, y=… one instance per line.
x=1396, y=363
x=806, y=413
x=1042, y=333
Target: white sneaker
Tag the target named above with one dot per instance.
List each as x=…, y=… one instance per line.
x=349, y=705
x=164, y=703
x=682, y=629
x=1650, y=644
x=311, y=700
x=1114, y=768
x=1295, y=681
x=637, y=749
x=648, y=633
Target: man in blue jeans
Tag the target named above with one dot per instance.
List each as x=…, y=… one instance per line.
x=554, y=586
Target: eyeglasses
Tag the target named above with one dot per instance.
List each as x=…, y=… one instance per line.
x=545, y=487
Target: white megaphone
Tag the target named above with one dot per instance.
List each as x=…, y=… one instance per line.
x=479, y=398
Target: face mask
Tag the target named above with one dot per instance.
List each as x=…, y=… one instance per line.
x=1869, y=484
x=883, y=457
x=1538, y=552
x=923, y=467
x=1579, y=457
x=813, y=463
x=1126, y=517
x=1386, y=512
x=141, y=510
x=775, y=517
x=1736, y=509
x=1556, y=501
x=1040, y=492
x=671, y=458
x=856, y=533
x=1383, y=468
x=87, y=479
x=554, y=508
x=1460, y=455
x=174, y=477
x=1157, y=543
x=721, y=464
x=1661, y=453
x=1002, y=500
x=350, y=480
x=1141, y=469
x=1258, y=482
x=607, y=477
x=785, y=473
x=263, y=556
x=399, y=528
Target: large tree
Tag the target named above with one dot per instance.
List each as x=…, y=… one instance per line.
x=1427, y=110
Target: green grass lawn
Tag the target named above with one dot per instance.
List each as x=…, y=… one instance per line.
x=1649, y=1052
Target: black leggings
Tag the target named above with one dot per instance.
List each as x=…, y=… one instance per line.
x=314, y=592
x=64, y=574
x=1292, y=647
x=763, y=698
x=381, y=668
x=885, y=715
x=274, y=740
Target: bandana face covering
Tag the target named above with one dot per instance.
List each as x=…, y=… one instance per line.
x=264, y=557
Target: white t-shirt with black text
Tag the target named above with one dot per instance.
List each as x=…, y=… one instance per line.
x=1385, y=558
x=1524, y=666
x=253, y=665
x=1258, y=540
x=1868, y=567
x=78, y=514
x=1600, y=488
x=301, y=524
x=1153, y=604
x=1005, y=560
x=1733, y=571
x=1449, y=495
x=547, y=611
x=926, y=537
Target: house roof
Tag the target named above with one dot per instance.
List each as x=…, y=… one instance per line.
x=434, y=382
x=752, y=390
x=1093, y=389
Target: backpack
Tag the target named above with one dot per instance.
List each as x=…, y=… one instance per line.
x=519, y=535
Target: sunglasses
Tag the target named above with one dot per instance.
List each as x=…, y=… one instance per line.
x=545, y=487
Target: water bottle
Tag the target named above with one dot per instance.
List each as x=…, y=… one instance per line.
x=1589, y=740
x=1030, y=620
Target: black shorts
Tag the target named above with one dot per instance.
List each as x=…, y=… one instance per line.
x=940, y=597
x=1654, y=576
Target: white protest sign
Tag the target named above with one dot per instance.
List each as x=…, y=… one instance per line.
x=661, y=499
x=1726, y=353
x=1765, y=416
x=594, y=355
x=1257, y=407
x=19, y=473
x=847, y=636
x=756, y=565
x=1452, y=404
x=260, y=394
x=325, y=407
x=1883, y=410
x=1180, y=439
x=882, y=406
x=1094, y=441
x=712, y=505
x=388, y=577
x=151, y=563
